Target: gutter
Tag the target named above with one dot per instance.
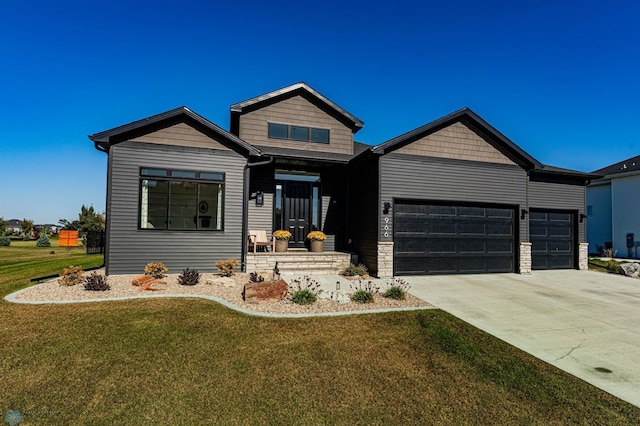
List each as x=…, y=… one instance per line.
x=245, y=206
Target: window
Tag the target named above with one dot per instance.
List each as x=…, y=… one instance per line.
x=589, y=210
x=298, y=133
x=185, y=200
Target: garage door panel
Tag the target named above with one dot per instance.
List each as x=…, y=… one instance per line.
x=552, y=236
x=449, y=239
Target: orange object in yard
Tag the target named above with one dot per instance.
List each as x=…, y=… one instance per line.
x=67, y=238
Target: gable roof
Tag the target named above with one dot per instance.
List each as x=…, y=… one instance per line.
x=477, y=124
x=118, y=134
x=300, y=88
x=629, y=165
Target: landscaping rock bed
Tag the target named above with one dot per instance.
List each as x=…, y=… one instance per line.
x=229, y=289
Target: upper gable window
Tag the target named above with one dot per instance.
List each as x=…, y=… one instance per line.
x=298, y=133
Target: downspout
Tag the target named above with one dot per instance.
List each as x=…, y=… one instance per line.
x=245, y=207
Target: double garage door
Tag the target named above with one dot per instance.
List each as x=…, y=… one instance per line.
x=459, y=239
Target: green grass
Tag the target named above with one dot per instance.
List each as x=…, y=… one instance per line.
x=191, y=361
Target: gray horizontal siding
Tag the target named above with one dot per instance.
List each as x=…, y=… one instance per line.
x=130, y=249
x=435, y=179
x=559, y=196
x=261, y=218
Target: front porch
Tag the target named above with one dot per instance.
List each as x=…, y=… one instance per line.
x=298, y=262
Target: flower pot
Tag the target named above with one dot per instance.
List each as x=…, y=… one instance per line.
x=317, y=246
x=282, y=245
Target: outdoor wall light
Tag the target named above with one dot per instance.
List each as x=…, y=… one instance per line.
x=387, y=206
x=582, y=217
x=523, y=213
x=259, y=199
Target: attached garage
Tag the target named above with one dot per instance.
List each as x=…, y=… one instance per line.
x=553, y=239
x=436, y=238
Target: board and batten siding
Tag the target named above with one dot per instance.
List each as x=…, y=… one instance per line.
x=559, y=196
x=129, y=249
x=295, y=111
x=364, y=212
x=447, y=180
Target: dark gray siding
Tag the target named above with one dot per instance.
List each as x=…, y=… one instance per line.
x=364, y=212
x=559, y=196
x=437, y=179
x=261, y=218
x=130, y=249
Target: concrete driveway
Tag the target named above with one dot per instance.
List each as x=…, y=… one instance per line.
x=585, y=323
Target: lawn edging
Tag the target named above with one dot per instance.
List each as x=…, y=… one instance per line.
x=12, y=298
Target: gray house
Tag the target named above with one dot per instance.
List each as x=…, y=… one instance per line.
x=453, y=196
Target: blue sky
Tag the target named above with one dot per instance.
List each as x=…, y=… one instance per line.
x=559, y=78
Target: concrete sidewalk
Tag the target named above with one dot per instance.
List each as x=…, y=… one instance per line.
x=585, y=323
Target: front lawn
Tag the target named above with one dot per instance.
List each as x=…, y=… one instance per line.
x=191, y=361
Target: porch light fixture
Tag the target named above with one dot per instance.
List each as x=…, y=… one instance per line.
x=259, y=199
x=582, y=217
x=523, y=213
x=387, y=206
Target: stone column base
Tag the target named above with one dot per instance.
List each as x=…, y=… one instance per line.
x=525, y=258
x=583, y=256
x=385, y=259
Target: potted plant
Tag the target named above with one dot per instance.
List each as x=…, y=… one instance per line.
x=282, y=239
x=316, y=239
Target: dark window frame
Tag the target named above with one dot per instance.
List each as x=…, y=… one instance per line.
x=290, y=127
x=154, y=174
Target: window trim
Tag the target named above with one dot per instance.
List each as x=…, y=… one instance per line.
x=290, y=127
x=170, y=178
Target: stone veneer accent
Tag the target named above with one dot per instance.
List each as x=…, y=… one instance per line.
x=298, y=262
x=525, y=258
x=583, y=256
x=385, y=259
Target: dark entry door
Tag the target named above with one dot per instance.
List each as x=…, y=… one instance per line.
x=552, y=236
x=452, y=239
x=297, y=211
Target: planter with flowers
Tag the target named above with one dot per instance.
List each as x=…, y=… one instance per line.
x=316, y=239
x=282, y=240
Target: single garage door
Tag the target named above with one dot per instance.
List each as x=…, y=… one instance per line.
x=552, y=237
x=451, y=239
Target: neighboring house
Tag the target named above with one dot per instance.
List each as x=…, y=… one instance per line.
x=453, y=196
x=13, y=226
x=612, y=209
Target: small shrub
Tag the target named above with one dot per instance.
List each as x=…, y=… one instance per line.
x=71, y=276
x=396, y=289
x=155, y=269
x=612, y=266
x=5, y=241
x=364, y=292
x=43, y=240
x=254, y=277
x=26, y=237
x=304, y=291
x=354, y=270
x=189, y=277
x=96, y=282
x=226, y=267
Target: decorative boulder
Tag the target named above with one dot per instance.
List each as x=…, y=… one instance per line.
x=141, y=279
x=629, y=269
x=265, y=291
x=154, y=285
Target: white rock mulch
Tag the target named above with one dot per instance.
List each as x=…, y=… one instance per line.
x=227, y=289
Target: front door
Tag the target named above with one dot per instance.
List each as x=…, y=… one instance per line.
x=297, y=211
